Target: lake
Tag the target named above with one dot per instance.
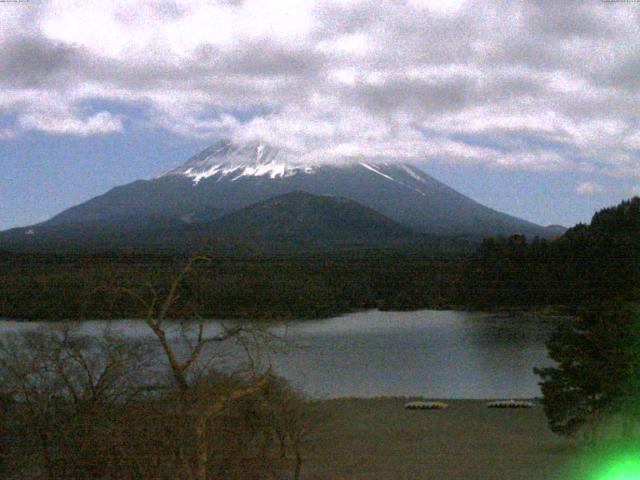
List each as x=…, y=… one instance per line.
x=437, y=354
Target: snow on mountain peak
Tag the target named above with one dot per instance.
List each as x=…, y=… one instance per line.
x=231, y=161
x=254, y=159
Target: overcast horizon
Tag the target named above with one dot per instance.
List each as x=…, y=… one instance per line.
x=527, y=106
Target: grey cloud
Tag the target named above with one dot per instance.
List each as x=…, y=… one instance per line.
x=265, y=59
x=158, y=10
x=336, y=19
x=568, y=19
x=525, y=68
x=529, y=51
x=625, y=75
x=416, y=95
x=28, y=61
x=432, y=97
x=625, y=108
x=508, y=89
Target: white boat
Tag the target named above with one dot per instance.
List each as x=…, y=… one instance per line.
x=510, y=404
x=424, y=405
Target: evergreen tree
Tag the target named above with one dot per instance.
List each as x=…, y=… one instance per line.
x=598, y=369
x=588, y=265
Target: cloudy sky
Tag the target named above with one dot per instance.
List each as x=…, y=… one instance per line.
x=531, y=107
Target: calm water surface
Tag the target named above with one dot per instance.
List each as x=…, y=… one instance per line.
x=438, y=354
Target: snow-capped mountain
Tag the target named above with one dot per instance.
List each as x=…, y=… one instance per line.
x=255, y=159
x=226, y=161
x=227, y=177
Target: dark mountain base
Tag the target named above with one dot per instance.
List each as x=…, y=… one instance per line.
x=293, y=222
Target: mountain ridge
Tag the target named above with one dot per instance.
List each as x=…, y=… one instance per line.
x=227, y=177
x=292, y=220
x=313, y=219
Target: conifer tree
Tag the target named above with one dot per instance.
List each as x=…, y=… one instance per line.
x=597, y=372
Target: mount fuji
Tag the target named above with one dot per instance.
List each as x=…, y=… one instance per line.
x=228, y=177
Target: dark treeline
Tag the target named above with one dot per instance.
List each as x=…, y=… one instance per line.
x=77, y=286
x=593, y=271
x=593, y=390
x=588, y=265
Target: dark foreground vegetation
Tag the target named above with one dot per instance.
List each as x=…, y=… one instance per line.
x=596, y=379
x=107, y=407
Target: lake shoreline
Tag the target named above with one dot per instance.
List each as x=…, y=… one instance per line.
x=558, y=311
x=378, y=439
x=442, y=354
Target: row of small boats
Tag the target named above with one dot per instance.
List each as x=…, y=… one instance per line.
x=436, y=405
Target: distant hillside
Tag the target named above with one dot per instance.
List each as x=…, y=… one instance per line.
x=588, y=264
x=95, y=234
x=554, y=231
x=303, y=218
x=294, y=220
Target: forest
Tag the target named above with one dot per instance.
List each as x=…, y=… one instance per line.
x=587, y=264
x=82, y=286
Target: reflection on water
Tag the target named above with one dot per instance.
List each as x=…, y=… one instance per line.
x=438, y=354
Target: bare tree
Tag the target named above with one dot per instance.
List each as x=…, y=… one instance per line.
x=55, y=375
x=191, y=362
x=97, y=406
x=290, y=418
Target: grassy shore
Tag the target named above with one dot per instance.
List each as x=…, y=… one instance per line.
x=377, y=439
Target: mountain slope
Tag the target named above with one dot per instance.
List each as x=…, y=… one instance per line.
x=94, y=234
x=227, y=177
x=301, y=217
x=295, y=219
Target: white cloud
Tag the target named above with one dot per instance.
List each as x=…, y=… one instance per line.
x=622, y=164
x=441, y=7
x=538, y=85
x=65, y=123
x=8, y=133
x=632, y=140
x=590, y=188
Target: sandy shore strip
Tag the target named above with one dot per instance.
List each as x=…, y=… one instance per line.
x=378, y=439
